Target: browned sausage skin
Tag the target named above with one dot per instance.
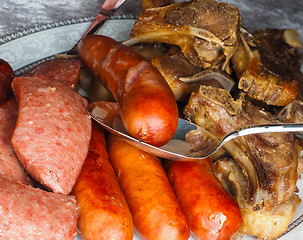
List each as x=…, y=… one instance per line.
x=211, y=212
x=156, y=211
x=103, y=211
x=148, y=106
x=6, y=77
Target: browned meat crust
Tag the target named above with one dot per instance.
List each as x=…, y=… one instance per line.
x=269, y=160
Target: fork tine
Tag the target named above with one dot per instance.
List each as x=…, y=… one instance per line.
x=119, y=3
x=112, y=4
x=105, y=12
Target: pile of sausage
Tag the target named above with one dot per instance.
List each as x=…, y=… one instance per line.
x=92, y=182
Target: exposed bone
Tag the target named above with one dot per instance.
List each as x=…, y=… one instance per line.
x=292, y=113
x=267, y=67
x=184, y=77
x=206, y=31
x=292, y=37
x=145, y=4
x=268, y=160
x=264, y=224
x=211, y=74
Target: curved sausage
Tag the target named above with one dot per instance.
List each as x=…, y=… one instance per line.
x=6, y=77
x=148, y=106
x=156, y=212
x=103, y=211
x=211, y=212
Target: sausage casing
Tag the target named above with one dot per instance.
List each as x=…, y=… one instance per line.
x=103, y=211
x=148, y=106
x=211, y=212
x=154, y=206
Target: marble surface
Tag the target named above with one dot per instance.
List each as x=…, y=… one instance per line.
x=17, y=15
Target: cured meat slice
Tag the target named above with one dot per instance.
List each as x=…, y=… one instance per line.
x=10, y=166
x=6, y=78
x=52, y=134
x=32, y=213
x=66, y=70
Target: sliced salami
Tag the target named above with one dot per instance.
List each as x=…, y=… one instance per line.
x=64, y=70
x=10, y=167
x=6, y=78
x=52, y=134
x=32, y=213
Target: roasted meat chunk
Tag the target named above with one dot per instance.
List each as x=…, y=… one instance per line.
x=293, y=113
x=206, y=31
x=145, y=4
x=172, y=66
x=184, y=77
x=268, y=160
x=268, y=66
x=264, y=223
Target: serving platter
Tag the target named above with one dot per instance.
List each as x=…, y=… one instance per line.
x=24, y=49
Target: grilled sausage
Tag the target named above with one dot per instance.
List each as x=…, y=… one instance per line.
x=6, y=78
x=211, y=212
x=148, y=106
x=155, y=209
x=103, y=211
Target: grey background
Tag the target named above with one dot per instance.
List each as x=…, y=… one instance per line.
x=17, y=15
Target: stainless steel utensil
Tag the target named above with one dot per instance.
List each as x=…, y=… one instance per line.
x=107, y=9
x=177, y=148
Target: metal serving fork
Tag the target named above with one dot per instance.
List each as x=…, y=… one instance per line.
x=177, y=148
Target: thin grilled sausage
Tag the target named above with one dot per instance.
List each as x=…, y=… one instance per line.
x=211, y=212
x=103, y=211
x=156, y=212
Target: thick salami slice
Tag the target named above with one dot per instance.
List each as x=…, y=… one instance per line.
x=10, y=167
x=64, y=70
x=52, y=134
x=31, y=213
x=6, y=78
